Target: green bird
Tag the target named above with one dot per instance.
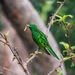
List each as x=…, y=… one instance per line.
x=41, y=40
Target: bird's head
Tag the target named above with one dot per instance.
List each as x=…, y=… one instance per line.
x=32, y=26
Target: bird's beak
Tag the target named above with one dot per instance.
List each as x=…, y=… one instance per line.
x=28, y=25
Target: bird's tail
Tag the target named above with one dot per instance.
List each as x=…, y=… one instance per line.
x=53, y=53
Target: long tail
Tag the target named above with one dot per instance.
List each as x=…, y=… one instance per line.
x=52, y=52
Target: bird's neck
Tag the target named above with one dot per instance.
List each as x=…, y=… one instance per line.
x=34, y=29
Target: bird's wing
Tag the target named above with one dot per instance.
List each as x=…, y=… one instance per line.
x=41, y=40
x=41, y=37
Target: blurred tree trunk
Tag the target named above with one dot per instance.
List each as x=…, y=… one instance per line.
x=21, y=13
x=6, y=56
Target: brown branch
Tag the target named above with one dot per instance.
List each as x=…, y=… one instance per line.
x=15, y=53
x=68, y=40
x=30, y=58
x=54, y=17
x=3, y=68
x=69, y=46
x=59, y=66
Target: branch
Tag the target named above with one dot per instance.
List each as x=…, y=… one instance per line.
x=3, y=68
x=59, y=66
x=15, y=53
x=53, y=18
x=68, y=40
x=69, y=46
x=30, y=58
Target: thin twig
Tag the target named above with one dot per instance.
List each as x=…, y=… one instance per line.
x=8, y=70
x=54, y=17
x=68, y=40
x=30, y=58
x=73, y=59
x=56, y=68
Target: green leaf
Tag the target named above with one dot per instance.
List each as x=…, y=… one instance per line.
x=60, y=72
x=59, y=2
x=36, y=56
x=71, y=16
x=31, y=54
x=64, y=52
x=73, y=47
x=6, y=34
x=65, y=45
x=27, y=58
x=66, y=35
x=72, y=64
x=65, y=16
x=40, y=52
x=59, y=16
x=66, y=58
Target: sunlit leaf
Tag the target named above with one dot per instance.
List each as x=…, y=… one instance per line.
x=6, y=34
x=72, y=64
x=65, y=45
x=64, y=52
x=73, y=47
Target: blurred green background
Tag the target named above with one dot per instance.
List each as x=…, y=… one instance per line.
x=48, y=7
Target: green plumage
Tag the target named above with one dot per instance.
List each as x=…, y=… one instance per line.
x=41, y=40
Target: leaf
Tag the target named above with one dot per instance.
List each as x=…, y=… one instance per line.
x=60, y=72
x=65, y=16
x=53, y=21
x=72, y=64
x=66, y=35
x=73, y=47
x=40, y=52
x=64, y=52
x=65, y=45
x=50, y=1
x=36, y=52
x=27, y=58
x=31, y=54
x=66, y=58
x=72, y=54
x=36, y=56
x=71, y=16
x=58, y=16
x=6, y=34
x=59, y=2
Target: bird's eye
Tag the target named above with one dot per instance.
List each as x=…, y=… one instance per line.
x=32, y=25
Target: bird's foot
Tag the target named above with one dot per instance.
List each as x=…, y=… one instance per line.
x=38, y=49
